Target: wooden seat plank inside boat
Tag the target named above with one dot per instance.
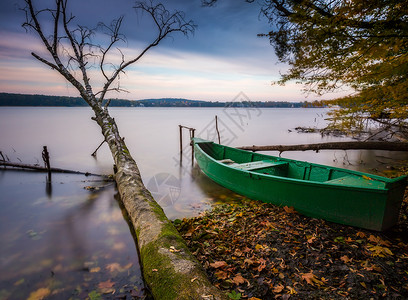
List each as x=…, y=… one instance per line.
x=358, y=181
x=256, y=165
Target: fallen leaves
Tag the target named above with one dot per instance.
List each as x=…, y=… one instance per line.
x=289, y=210
x=310, y=239
x=291, y=290
x=377, y=240
x=238, y=279
x=278, y=288
x=106, y=287
x=262, y=264
x=39, y=294
x=379, y=251
x=95, y=270
x=116, y=267
x=256, y=250
x=218, y=264
x=361, y=234
x=221, y=275
x=312, y=279
x=380, y=247
x=346, y=259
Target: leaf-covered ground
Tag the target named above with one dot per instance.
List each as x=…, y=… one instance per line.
x=256, y=250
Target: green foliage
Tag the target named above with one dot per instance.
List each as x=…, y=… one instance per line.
x=7, y=99
x=372, y=107
x=234, y=295
x=357, y=43
x=94, y=295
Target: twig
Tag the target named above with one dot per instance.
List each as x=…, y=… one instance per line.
x=100, y=145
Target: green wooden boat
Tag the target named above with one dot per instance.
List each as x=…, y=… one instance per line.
x=318, y=191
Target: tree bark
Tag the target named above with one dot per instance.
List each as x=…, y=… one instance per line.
x=169, y=268
x=390, y=146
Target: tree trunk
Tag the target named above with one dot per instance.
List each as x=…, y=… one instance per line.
x=390, y=146
x=169, y=268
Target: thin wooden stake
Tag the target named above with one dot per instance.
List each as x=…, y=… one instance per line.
x=192, y=130
x=181, y=138
x=2, y=156
x=100, y=145
x=216, y=128
x=46, y=158
x=3, y=159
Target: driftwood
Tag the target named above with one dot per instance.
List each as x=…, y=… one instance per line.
x=44, y=169
x=390, y=146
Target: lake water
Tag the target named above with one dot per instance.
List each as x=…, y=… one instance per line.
x=66, y=241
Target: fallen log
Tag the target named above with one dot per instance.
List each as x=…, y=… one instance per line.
x=44, y=169
x=169, y=268
x=390, y=146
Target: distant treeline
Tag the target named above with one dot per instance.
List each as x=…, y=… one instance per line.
x=7, y=99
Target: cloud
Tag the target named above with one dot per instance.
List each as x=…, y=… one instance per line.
x=223, y=57
x=165, y=73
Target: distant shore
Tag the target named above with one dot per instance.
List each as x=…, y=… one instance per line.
x=8, y=99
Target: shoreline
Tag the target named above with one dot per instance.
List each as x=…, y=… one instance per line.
x=254, y=250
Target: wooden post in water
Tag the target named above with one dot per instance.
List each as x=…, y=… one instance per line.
x=192, y=130
x=216, y=128
x=181, y=138
x=3, y=159
x=46, y=159
x=2, y=156
x=100, y=145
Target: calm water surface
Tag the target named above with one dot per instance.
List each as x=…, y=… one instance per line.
x=66, y=241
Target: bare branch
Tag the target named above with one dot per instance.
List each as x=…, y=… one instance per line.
x=54, y=67
x=71, y=49
x=166, y=24
x=114, y=32
x=56, y=22
x=77, y=48
x=33, y=23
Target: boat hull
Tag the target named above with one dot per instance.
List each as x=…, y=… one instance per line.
x=366, y=207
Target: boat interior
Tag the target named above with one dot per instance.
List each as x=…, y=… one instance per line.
x=277, y=166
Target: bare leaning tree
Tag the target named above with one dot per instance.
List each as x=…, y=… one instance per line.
x=168, y=267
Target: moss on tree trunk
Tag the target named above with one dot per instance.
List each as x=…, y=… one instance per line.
x=169, y=268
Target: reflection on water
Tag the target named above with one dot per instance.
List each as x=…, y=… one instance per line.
x=64, y=241
x=74, y=243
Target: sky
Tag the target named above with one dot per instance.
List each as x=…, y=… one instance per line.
x=223, y=57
